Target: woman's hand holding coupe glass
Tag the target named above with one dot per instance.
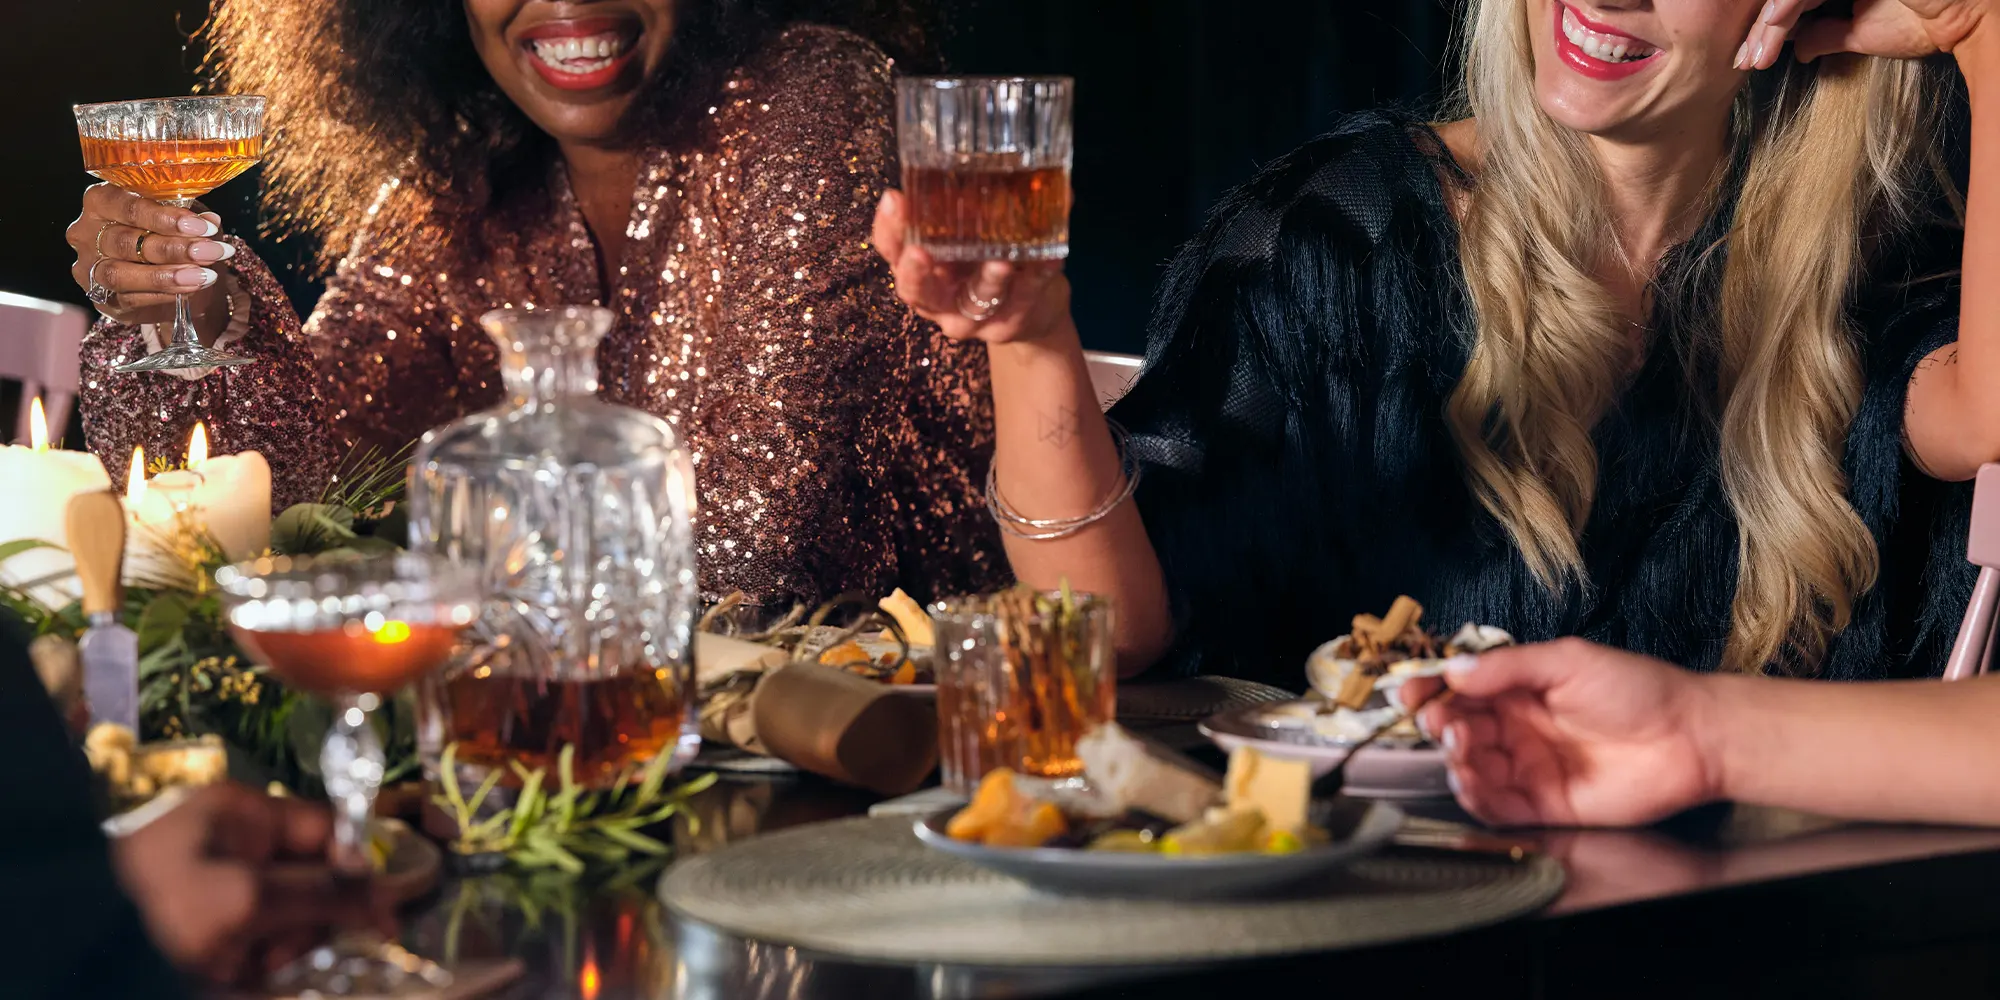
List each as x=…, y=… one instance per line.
x=144, y=253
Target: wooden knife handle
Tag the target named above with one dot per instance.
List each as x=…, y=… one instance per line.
x=95, y=524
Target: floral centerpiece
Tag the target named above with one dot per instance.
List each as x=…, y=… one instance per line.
x=195, y=683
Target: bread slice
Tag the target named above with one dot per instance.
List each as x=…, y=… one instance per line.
x=1134, y=774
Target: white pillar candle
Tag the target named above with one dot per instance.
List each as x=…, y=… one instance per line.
x=157, y=511
x=227, y=496
x=36, y=484
x=233, y=497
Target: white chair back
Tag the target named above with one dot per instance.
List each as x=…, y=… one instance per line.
x=1112, y=375
x=40, y=342
x=1973, y=653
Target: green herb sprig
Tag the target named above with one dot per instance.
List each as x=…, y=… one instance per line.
x=571, y=827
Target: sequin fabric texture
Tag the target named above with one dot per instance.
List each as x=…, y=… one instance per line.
x=839, y=442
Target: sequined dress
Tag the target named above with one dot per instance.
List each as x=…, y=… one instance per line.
x=839, y=442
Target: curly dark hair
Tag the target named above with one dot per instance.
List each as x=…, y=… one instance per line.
x=365, y=92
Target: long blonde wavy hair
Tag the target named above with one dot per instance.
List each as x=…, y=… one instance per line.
x=1830, y=158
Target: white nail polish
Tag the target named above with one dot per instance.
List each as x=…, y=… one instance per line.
x=1451, y=782
x=207, y=277
x=1451, y=739
x=1461, y=665
x=228, y=251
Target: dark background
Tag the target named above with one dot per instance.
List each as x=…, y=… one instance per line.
x=1178, y=100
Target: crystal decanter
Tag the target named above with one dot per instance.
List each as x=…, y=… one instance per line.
x=580, y=513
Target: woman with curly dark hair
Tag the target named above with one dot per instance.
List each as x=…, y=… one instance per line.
x=707, y=169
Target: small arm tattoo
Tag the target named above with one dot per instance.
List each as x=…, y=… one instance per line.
x=1064, y=427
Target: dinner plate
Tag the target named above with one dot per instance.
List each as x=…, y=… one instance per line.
x=1133, y=875
x=1386, y=770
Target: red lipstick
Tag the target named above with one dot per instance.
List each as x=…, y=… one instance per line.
x=1589, y=65
x=554, y=31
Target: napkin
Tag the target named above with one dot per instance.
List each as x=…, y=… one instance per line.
x=727, y=671
x=848, y=728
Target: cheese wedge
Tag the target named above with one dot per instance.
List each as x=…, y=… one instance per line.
x=1279, y=789
x=910, y=615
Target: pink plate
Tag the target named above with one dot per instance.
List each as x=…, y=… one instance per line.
x=1382, y=771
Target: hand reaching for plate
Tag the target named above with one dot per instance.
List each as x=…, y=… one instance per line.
x=1571, y=734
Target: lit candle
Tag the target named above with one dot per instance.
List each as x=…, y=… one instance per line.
x=234, y=497
x=36, y=483
x=158, y=509
x=226, y=496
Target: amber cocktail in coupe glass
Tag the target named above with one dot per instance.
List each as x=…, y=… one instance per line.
x=353, y=630
x=173, y=150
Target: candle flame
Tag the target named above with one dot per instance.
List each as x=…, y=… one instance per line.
x=588, y=983
x=135, y=483
x=38, y=426
x=197, y=446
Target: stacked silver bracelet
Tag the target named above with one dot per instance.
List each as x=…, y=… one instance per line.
x=1050, y=529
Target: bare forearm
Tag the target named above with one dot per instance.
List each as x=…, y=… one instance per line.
x=1953, y=419
x=1054, y=458
x=1908, y=752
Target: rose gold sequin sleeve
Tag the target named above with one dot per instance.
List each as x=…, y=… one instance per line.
x=271, y=406
x=383, y=335
x=848, y=440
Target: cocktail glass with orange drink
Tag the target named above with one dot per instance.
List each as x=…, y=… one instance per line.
x=173, y=150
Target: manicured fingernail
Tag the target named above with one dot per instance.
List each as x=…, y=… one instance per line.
x=1451, y=781
x=1461, y=665
x=1770, y=15
x=195, y=225
x=212, y=251
x=194, y=277
x=1424, y=728
x=1454, y=735
x=1742, y=57
x=1763, y=46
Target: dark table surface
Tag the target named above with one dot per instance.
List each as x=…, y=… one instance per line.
x=1724, y=902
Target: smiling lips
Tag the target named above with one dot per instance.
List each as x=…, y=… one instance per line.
x=1596, y=50
x=581, y=54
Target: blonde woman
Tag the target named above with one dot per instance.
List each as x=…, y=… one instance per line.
x=1658, y=344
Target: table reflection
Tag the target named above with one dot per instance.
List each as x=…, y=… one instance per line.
x=609, y=939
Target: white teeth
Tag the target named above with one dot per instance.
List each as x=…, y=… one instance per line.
x=1604, y=48
x=580, y=55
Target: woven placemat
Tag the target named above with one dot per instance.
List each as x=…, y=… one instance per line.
x=868, y=889
x=1192, y=699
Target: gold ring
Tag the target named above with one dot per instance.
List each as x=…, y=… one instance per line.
x=139, y=246
x=99, y=241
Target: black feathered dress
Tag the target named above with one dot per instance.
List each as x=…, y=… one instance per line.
x=1299, y=469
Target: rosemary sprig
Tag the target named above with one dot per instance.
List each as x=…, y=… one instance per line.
x=368, y=481
x=570, y=828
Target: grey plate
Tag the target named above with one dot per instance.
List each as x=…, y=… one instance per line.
x=1383, y=771
x=1069, y=871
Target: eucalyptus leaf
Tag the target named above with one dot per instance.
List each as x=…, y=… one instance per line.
x=305, y=732
x=166, y=615
x=20, y=545
x=312, y=528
